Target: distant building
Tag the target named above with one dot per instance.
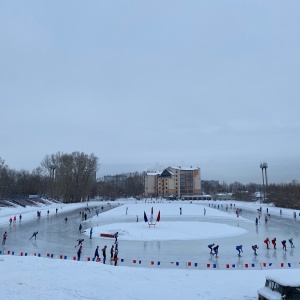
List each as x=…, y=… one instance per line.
x=223, y=196
x=173, y=183
x=116, y=180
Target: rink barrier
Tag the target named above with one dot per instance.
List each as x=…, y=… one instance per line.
x=164, y=264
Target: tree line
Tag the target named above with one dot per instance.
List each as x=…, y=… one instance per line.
x=67, y=178
x=281, y=195
x=72, y=178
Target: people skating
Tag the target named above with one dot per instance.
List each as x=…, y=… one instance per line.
x=111, y=252
x=216, y=251
x=104, y=253
x=116, y=236
x=34, y=235
x=79, y=253
x=267, y=242
x=80, y=228
x=256, y=221
x=274, y=243
x=254, y=248
x=80, y=241
x=91, y=232
x=96, y=253
x=210, y=246
x=291, y=242
x=66, y=219
x=239, y=249
x=4, y=238
x=117, y=247
x=10, y=221
x=283, y=244
x=20, y=217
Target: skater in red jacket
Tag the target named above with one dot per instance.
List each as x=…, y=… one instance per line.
x=267, y=242
x=274, y=243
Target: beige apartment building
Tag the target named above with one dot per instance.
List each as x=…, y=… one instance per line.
x=173, y=182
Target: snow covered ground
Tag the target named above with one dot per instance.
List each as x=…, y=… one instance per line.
x=32, y=277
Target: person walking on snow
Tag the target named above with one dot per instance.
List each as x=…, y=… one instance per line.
x=254, y=248
x=240, y=249
x=79, y=242
x=210, y=246
x=291, y=242
x=267, y=242
x=274, y=243
x=216, y=251
x=104, y=253
x=91, y=232
x=283, y=244
x=96, y=253
x=34, y=235
x=80, y=228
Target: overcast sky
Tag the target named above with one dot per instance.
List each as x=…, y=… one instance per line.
x=148, y=84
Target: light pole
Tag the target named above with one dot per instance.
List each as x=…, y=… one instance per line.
x=263, y=167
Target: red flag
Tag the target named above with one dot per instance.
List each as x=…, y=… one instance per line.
x=158, y=217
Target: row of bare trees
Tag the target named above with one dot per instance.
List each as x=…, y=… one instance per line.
x=132, y=186
x=281, y=195
x=65, y=177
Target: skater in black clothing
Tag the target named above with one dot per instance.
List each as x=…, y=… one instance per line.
x=216, y=251
x=34, y=235
x=283, y=244
x=116, y=236
x=291, y=242
x=79, y=253
x=112, y=252
x=80, y=228
x=211, y=248
x=20, y=217
x=79, y=242
x=104, y=253
x=255, y=247
x=96, y=253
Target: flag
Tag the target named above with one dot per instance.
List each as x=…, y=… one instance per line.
x=145, y=217
x=151, y=217
x=158, y=217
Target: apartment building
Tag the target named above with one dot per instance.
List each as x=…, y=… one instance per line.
x=173, y=182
